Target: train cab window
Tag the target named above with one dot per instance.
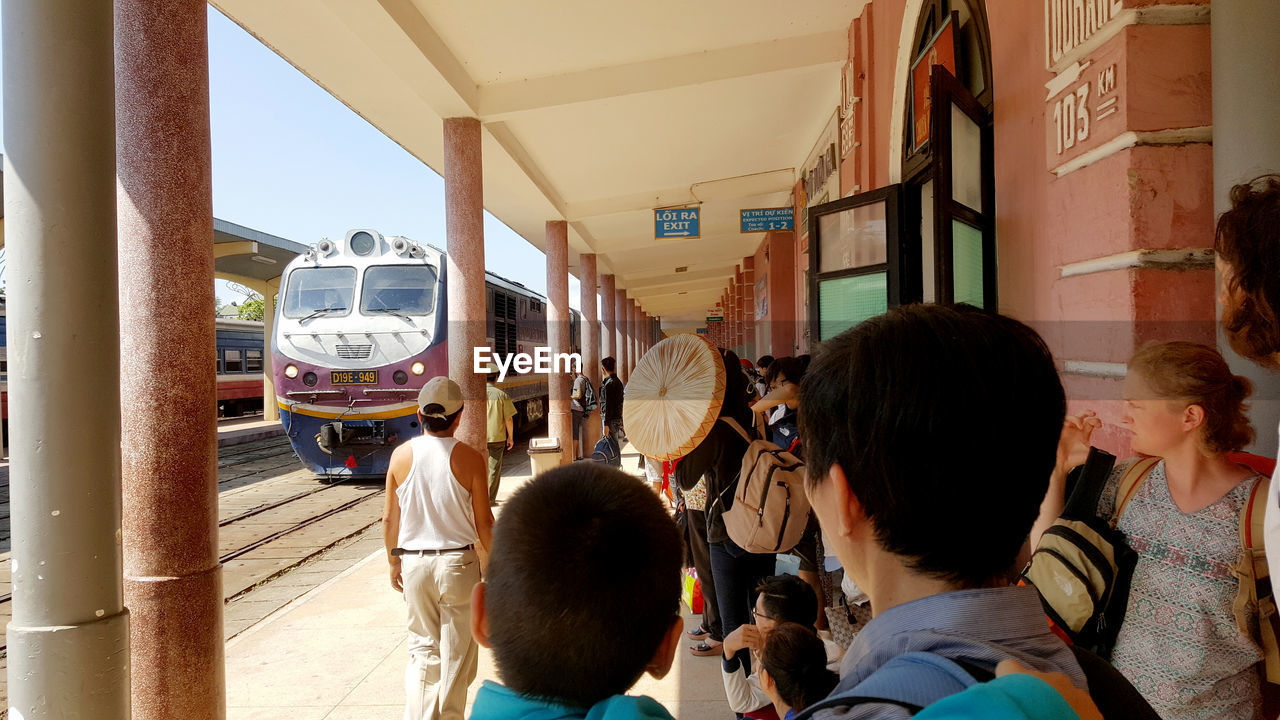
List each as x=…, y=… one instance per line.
x=217, y=362
x=401, y=289
x=319, y=291
x=232, y=361
x=253, y=361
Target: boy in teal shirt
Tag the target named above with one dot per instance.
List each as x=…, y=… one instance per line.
x=581, y=599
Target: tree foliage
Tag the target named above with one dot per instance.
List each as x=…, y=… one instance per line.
x=252, y=309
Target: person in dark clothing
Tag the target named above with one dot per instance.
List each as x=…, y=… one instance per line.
x=718, y=459
x=611, y=402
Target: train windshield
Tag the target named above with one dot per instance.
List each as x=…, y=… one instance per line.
x=399, y=290
x=320, y=291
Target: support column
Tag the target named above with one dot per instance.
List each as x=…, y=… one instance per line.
x=560, y=418
x=1246, y=144
x=173, y=579
x=590, y=344
x=270, y=410
x=633, y=332
x=69, y=634
x=620, y=313
x=731, y=313
x=748, y=308
x=609, y=333
x=464, y=228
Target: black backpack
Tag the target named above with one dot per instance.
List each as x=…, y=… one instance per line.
x=588, y=399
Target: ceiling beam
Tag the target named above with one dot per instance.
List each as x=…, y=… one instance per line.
x=415, y=27
x=753, y=186
x=659, y=74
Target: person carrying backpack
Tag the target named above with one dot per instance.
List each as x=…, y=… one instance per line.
x=1190, y=638
x=582, y=402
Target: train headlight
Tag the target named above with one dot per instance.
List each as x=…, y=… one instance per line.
x=362, y=243
x=291, y=371
x=418, y=368
x=400, y=376
x=310, y=379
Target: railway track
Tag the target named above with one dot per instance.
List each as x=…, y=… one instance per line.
x=266, y=502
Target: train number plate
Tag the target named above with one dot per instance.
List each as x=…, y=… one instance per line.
x=353, y=377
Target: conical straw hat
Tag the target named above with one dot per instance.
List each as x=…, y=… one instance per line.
x=674, y=397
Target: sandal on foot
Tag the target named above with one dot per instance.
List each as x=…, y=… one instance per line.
x=705, y=649
x=698, y=633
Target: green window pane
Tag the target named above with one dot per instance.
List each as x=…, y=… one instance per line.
x=966, y=263
x=845, y=302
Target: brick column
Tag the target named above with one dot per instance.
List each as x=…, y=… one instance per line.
x=559, y=419
x=464, y=228
x=623, y=331
x=590, y=343
x=173, y=580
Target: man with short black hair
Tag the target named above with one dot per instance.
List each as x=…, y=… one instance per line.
x=611, y=392
x=436, y=528
x=926, y=517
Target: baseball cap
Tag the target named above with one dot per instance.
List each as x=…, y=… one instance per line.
x=443, y=392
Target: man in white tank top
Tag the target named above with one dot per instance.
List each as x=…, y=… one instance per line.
x=437, y=528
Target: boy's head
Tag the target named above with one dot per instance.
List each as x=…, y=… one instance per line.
x=609, y=364
x=785, y=598
x=930, y=434
x=583, y=589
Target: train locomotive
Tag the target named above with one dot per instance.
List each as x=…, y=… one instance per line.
x=360, y=326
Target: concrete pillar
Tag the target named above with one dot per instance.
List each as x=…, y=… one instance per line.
x=173, y=579
x=590, y=343
x=69, y=635
x=1246, y=144
x=609, y=333
x=633, y=330
x=270, y=410
x=748, y=308
x=731, y=313
x=559, y=417
x=464, y=227
x=620, y=314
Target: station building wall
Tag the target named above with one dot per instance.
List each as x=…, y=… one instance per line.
x=1103, y=235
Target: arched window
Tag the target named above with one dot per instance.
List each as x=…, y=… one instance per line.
x=930, y=238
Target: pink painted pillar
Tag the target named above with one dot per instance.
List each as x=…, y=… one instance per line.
x=590, y=344
x=620, y=313
x=169, y=448
x=609, y=333
x=731, y=315
x=464, y=229
x=748, y=308
x=633, y=333
x=739, y=319
x=559, y=382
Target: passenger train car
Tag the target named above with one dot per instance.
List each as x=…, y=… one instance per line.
x=239, y=366
x=360, y=326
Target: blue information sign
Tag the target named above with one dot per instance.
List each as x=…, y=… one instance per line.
x=675, y=223
x=702, y=331
x=766, y=219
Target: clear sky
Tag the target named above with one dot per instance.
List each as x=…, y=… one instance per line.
x=291, y=160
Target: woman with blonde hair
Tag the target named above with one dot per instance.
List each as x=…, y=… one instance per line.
x=1179, y=643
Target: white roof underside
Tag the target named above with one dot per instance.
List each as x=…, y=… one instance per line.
x=593, y=112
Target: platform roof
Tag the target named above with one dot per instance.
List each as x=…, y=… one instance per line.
x=250, y=256
x=593, y=112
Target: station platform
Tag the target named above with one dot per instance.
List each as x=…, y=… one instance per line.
x=235, y=431
x=339, y=651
